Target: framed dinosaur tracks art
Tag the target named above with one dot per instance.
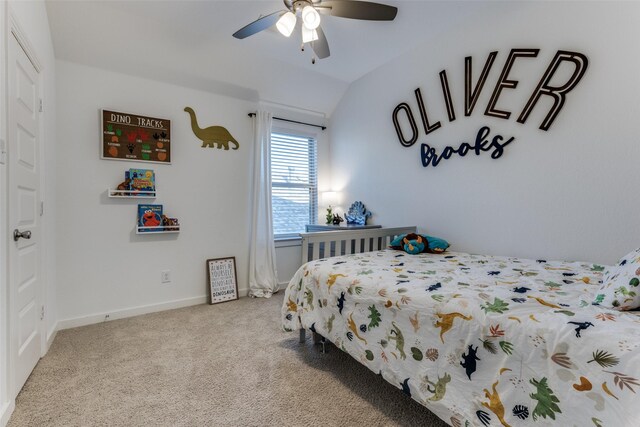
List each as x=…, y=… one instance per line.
x=133, y=137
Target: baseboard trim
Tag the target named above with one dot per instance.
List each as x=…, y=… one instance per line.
x=5, y=412
x=91, y=319
x=130, y=312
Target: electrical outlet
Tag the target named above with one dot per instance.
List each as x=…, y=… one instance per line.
x=165, y=276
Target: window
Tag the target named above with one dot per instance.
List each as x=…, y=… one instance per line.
x=294, y=192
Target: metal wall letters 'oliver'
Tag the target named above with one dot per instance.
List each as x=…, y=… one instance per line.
x=483, y=140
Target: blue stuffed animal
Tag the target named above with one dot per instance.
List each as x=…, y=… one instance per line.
x=413, y=244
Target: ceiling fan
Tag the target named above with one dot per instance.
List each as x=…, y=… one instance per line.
x=309, y=12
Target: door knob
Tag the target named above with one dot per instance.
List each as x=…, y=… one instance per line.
x=18, y=234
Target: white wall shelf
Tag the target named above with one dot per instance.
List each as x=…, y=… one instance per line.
x=129, y=194
x=160, y=229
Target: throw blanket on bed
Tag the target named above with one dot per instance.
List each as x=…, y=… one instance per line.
x=479, y=340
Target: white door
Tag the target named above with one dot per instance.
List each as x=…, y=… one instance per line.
x=24, y=215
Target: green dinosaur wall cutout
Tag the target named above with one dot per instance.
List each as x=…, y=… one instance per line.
x=212, y=135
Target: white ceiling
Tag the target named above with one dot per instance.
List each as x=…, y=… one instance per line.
x=189, y=43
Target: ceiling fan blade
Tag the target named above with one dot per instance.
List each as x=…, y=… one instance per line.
x=258, y=25
x=321, y=46
x=360, y=10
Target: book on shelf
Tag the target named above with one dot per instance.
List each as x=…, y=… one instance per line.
x=143, y=181
x=150, y=218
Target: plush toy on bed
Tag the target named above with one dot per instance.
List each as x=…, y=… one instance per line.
x=413, y=244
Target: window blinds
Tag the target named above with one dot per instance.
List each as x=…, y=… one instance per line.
x=293, y=183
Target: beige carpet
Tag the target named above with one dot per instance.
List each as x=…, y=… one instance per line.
x=223, y=365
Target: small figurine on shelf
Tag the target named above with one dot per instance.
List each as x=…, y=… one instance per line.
x=329, y=216
x=337, y=219
x=122, y=188
x=357, y=214
x=170, y=224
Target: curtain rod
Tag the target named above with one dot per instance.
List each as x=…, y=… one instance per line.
x=293, y=121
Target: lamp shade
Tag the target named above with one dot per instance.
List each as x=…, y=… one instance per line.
x=308, y=35
x=330, y=198
x=286, y=24
x=310, y=17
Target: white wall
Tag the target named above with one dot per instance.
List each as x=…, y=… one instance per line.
x=31, y=18
x=103, y=266
x=288, y=260
x=568, y=193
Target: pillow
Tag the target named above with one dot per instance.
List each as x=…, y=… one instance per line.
x=435, y=245
x=619, y=289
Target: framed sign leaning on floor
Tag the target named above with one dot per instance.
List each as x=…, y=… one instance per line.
x=223, y=279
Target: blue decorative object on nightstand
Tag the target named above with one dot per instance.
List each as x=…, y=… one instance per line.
x=357, y=214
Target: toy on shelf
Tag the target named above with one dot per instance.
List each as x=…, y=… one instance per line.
x=329, y=216
x=170, y=224
x=357, y=214
x=337, y=219
x=122, y=188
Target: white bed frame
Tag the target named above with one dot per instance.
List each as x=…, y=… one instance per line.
x=324, y=244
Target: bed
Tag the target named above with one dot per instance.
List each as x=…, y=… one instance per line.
x=478, y=340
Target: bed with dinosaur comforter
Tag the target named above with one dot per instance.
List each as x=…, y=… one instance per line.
x=478, y=340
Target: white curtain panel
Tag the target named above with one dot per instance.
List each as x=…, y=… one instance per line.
x=263, y=278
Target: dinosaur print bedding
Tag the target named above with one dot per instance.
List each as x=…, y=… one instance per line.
x=478, y=340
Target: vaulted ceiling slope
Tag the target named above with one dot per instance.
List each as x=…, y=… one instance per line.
x=189, y=43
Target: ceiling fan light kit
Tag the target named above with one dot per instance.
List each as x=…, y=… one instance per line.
x=310, y=17
x=286, y=20
x=309, y=35
x=286, y=24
